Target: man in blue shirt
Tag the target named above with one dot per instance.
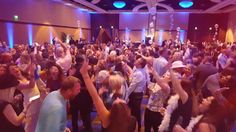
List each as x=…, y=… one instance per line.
x=52, y=116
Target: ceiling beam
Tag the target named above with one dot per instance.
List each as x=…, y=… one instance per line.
x=170, y=9
x=230, y=9
x=136, y=8
x=92, y=6
x=216, y=1
x=158, y=11
x=95, y=1
x=220, y=5
x=141, y=1
x=151, y=5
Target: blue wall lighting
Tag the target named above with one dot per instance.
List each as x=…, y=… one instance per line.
x=143, y=34
x=160, y=38
x=10, y=34
x=182, y=36
x=186, y=3
x=30, y=34
x=119, y=4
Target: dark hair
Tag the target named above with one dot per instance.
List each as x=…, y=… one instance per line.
x=50, y=65
x=5, y=58
x=143, y=62
x=227, y=71
x=8, y=80
x=79, y=59
x=187, y=85
x=118, y=67
x=45, y=53
x=162, y=51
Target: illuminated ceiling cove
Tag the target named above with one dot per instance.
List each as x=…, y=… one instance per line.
x=153, y=6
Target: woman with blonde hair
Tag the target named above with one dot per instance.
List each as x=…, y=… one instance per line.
x=119, y=118
x=118, y=85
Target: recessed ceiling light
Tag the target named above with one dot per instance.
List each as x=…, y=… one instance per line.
x=119, y=4
x=68, y=4
x=186, y=3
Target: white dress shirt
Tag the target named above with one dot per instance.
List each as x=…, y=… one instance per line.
x=138, y=81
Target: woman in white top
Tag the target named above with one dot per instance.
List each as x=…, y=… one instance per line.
x=159, y=92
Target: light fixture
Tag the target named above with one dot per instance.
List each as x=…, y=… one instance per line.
x=68, y=4
x=16, y=18
x=210, y=28
x=112, y=27
x=186, y=3
x=119, y=4
x=195, y=28
x=100, y=26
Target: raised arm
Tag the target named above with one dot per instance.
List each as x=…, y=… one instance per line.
x=164, y=86
x=31, y=83
x=63, y=45
x=100, y=107
x=127, y=68
x=178, y=88
x=148, y=59
x=195, y=107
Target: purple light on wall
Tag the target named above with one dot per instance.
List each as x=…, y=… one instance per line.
x=160, y=37
x=143, y=34
x=30, y=34
x=10, y=34
x=181, y=35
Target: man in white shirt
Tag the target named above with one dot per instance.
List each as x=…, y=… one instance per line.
x=222, y=58
x=136, y=89
x=63, y=57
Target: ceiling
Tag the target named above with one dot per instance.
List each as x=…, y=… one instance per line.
x=153, y=6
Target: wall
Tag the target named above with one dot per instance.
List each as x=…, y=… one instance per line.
x=134, y=26
x=203, y=22
x=106, y=21
x=41, y=18
x=231, y=31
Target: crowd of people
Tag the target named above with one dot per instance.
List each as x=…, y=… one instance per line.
x=190, y=87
